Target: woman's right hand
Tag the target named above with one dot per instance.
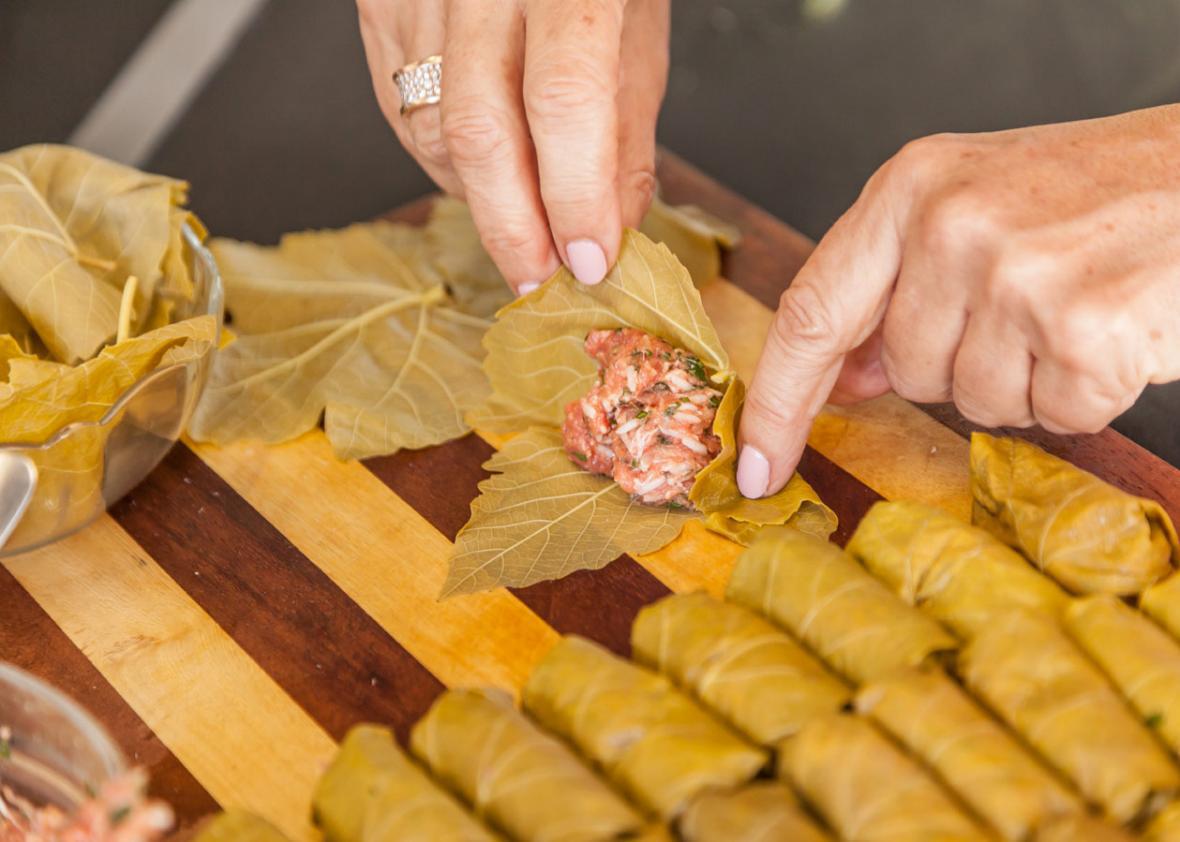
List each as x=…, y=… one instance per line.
x=547, y=120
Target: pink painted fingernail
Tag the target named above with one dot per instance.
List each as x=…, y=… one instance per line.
x=753, y=473
x=527, y=287
x=587, y=261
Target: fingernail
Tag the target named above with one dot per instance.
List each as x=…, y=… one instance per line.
x=753, y=473
x=526, y=288
x=587, y=261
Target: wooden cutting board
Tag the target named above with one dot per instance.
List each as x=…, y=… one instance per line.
x=235, y=614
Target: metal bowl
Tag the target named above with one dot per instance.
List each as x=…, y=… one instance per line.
x=58, y=753
x=85, y=467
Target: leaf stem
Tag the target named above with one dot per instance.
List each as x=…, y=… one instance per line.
x=97, y=263
x=127, y=308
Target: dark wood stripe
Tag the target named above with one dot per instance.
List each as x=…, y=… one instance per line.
x=320, y=646
x=32, y=641
x=1108, y=454
x=598, y=604
x=440, y=483
x=847, y=496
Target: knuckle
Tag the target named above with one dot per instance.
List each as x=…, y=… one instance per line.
x=916, y=159
x=511, y=240
x=1076, y=331
x=909, y=384
x=1068, y=403
x=474, y=134
x=804, y=323
x=766, y=411
x=973, y=406
x=953, y=223
x=639, y=184
x=518, y=243
x=573, y=91
x=1017, y=280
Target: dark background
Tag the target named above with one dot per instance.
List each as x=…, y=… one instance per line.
x=793, y=112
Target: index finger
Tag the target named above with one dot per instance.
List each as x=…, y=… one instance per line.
x=833, y=305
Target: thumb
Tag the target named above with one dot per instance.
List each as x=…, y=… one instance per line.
x=833, y=306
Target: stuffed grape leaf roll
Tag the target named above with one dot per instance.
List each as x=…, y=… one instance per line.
x=936, y=721
x=1027, y=670
x=1085, y=533
x=868, y=789
x=754, y=676
x=817, y=592
x=1165, y=827
x=1137, y=655
x=239, y=826
x=1082, y=828
x=373, y=792
x=519, y=778
x=764, y=811
x=648, y=737
x=1161, y=602
x=959, y=573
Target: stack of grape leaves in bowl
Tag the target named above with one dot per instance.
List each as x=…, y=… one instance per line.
x=1016, y=677
x=110, y=312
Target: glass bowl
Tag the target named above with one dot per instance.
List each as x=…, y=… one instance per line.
x=58, y=753
x=87, y=466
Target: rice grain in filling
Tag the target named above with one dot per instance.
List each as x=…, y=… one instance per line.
x=648, y=422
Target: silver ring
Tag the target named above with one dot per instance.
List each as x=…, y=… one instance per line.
x=419, y=83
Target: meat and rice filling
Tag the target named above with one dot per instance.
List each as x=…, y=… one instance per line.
x=648, y=422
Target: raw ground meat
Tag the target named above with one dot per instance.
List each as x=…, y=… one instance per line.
x=648, y=422
x=119, y=813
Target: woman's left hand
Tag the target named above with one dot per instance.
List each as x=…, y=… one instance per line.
x=1031, y=276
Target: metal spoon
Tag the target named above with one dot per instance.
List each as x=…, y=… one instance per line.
x=18, y=480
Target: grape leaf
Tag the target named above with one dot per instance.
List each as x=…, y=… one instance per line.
x=536, y=364
x=50, y=395
x=341, y=324
x=375, y=326
x=73, y=227
x=10, y=350
x=695, y=236
x=453, y=250
x=541, y=517
x=738, y=518
x=865, y=787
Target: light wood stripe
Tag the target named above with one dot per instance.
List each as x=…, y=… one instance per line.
x=227, y=721
x=898, y=451
x=696, y=561
x=388, y=558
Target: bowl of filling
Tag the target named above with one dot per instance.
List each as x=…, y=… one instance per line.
x=111, y=310
x=61, y=775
